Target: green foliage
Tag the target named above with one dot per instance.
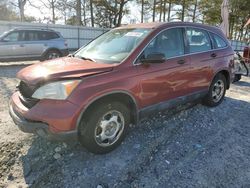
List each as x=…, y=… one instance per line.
x=6, y=13
x=211, y=11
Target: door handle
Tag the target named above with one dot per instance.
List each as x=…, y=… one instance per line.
x=182, y=61
x=21, y=45
x=213, y=55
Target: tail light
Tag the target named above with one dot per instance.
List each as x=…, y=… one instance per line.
x=65, y=44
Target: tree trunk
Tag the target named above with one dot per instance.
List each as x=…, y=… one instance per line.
x=21, y=4
x=91, y=13
x=78, y=12
x=154, y=10
x=142, y=10
x=169, y=10
x=84, y=12
x=183, y=10
x=160, y=10
x=53, y=11
x=120, y=13
x=195, y=8
x=164, y=11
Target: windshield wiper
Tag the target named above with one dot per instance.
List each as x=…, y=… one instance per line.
x=86, y=58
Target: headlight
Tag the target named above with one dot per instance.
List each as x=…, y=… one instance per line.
x=56, y=90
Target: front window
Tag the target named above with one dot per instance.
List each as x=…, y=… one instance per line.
x=14, y=36
x=113, y=46
x=169, y=42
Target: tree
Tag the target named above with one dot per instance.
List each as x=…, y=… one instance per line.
x=194, y=10
x=110, y=13
x=64, y=7
x=78, y=12
x=6, y=12
x=154, y=10
x=21, y=4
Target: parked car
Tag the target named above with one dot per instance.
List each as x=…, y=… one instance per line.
x=32, y=44
x=120, y=77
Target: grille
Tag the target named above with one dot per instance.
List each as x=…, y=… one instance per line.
x=26, y=93
x=25, y=89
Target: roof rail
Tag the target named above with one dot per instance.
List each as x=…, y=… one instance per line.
x=32, y=28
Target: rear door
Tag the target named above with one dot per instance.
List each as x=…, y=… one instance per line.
x=168, y=80
x=202, y=57
x=12, y=45
x=35, y=46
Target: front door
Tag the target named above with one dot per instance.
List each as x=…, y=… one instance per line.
x=160, y=82
x=12, y=45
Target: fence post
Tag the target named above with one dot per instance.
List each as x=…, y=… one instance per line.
x=78, y=33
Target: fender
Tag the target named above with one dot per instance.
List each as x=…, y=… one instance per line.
x=136, y=115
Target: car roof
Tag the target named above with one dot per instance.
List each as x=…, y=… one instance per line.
x=32, y=29
x=154, y=25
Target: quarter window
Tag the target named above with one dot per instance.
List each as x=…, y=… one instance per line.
x=169, y=42
x=198, y=40
x=218, y=41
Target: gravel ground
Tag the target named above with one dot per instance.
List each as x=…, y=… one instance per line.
x=182, y=147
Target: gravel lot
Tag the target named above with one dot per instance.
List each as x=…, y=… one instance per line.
x=182, y=147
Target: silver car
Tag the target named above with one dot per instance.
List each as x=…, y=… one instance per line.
x=32, y=44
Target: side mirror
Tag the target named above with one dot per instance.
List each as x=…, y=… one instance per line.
x=154, y=58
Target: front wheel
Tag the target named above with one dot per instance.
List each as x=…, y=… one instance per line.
x=216, y=92
x=104, y=127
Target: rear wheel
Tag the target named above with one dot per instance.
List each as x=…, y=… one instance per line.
x=104, y=127
x=216, y=92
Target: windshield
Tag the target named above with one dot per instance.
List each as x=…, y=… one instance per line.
x=113, y=46
x=3, y=34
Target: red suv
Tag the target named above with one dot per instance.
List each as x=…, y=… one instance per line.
x=123, y=75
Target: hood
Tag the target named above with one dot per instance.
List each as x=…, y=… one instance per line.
x=68, y=67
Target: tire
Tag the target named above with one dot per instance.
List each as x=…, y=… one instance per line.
x=216, y=91
x=237, y=77
x=52, y=54
x=104, y=127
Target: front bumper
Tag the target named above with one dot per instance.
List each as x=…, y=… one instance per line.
x=20, y=117
x=39, y=128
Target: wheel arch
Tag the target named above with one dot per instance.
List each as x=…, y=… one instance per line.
x=226, y=74
x=50, y=49
x=120, y=96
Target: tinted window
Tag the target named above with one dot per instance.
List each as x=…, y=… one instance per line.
x=169, y=42
x=44, y=35
x=198, y=39
x=32, y=36
x=218, y=41
x=15, y=36
x=52, y=35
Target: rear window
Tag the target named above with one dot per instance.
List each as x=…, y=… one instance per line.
x=198, y=40
x=218, y=41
